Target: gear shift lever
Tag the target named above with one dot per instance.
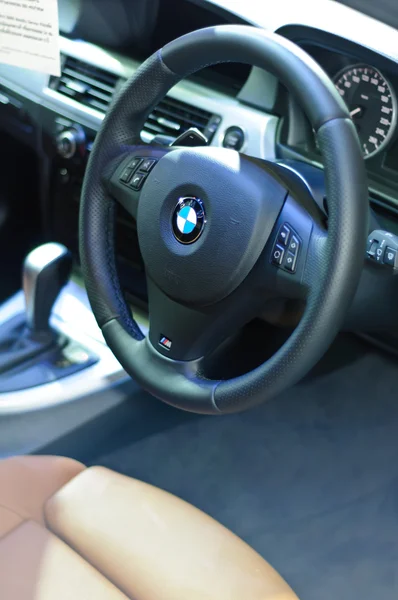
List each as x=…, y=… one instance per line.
x=25, y=337
x=46, y=270
x=31, y=353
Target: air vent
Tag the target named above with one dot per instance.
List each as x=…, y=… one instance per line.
x=172, y=117
x=85, y=83
x=94, y=87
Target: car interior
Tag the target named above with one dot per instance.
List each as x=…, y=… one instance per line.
x=199, y=219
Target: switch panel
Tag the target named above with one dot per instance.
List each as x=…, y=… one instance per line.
x=286, y=249
x=382, y=248
x=136, y=171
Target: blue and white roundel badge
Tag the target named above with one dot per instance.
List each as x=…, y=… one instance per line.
x=188, y=220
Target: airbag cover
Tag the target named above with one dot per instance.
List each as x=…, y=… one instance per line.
x=241, y=202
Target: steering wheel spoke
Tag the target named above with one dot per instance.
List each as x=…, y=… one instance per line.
x=187, y=388
x=186, y=333
x=126, y=175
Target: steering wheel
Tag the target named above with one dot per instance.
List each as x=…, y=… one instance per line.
x=213, y=228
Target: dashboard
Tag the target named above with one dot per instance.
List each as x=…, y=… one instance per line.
x=233, y=106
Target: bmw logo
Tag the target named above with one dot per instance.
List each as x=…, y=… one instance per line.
x=189, y=219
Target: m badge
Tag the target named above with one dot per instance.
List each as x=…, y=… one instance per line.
x=165, y=342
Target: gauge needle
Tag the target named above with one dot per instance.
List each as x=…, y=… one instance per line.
x=355, y=111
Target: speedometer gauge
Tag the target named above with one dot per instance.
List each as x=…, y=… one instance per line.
x=372, y=105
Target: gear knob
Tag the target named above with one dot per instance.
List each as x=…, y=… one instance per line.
x=45, y=272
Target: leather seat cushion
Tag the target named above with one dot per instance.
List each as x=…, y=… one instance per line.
x=26, y=483
x=70, y=532
x=36, y=565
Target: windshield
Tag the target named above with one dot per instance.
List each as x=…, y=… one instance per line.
x=383, y=10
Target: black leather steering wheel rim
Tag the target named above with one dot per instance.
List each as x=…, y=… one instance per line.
x=337, y=259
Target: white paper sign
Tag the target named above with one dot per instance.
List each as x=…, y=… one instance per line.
x=29, y=34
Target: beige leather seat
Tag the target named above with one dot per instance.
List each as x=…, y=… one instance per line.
x=67, y=532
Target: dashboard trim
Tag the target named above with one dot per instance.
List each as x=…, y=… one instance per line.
x=261, y=142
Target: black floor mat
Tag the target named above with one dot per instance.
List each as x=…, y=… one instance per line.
x=310, y=480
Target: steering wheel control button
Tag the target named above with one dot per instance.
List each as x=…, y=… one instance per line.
x=390, y=256
x=284, y=235
x=372, y=248
x=290, y=262
x=234, y=138
x=137, y=181
x=189, y=220
x=148, y=164
x=278, y=254
x=294, y=245
x=133, y=165
x=126, y=175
